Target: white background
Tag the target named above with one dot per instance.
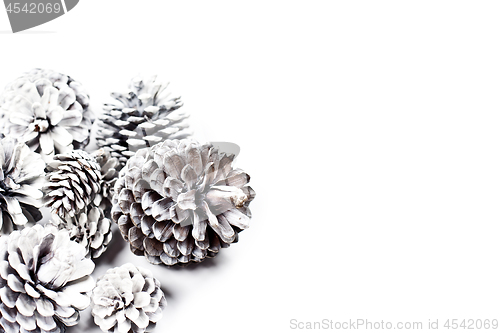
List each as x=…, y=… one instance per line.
x=371, y=130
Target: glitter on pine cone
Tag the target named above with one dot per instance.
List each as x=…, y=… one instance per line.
x=73, y=181
x=44, y=280
x=48, y=111
x=144, y=115
x=127, y=299
x=21, y=179
x=180, y=202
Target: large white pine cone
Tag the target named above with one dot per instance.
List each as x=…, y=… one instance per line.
x=21, y=179
x=44, y=280
x=143, y=116
x=90, y=228
x=73, y=181
x=181, y=201
x=48, y=111
x=127, y=299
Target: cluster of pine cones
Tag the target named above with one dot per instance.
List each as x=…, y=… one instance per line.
x=173, y=199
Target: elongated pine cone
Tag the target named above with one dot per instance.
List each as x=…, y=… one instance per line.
x=90, y=228
x=44, y=280
x=21, y=179
x=127, y=299
x=181, y=201
x=73, y=181
x=48, y=111
x=109, y=172
x=142, y=117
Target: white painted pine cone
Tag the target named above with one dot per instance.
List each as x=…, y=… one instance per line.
x=73, y=181
x=181, y=201
x=44, y=280
x=48, y=111
x=142, y=116
x=127, y=299
x=21, y=179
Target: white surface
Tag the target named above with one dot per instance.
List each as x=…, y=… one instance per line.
x=370, y=130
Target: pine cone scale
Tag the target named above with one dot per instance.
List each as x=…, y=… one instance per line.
x=20, y=185
x=48, y=111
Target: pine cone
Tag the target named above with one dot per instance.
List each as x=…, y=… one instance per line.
x=48, y=111
x=74, y=180
x=109, y=166
x=21, y=180
x=44, y=281
x=89, y=228
x=127, y=299
x=180, y=201
x=142, y=117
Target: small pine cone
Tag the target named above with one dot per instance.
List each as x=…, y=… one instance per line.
x=127, y=299
x=44, y=281
x=89, y=228
x=73, y=181
x=143, y=116
x=109, y=172
x=180, y=201
x=48, y=111
x=21, y=180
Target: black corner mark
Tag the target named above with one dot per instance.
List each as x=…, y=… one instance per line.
x=26, y=14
